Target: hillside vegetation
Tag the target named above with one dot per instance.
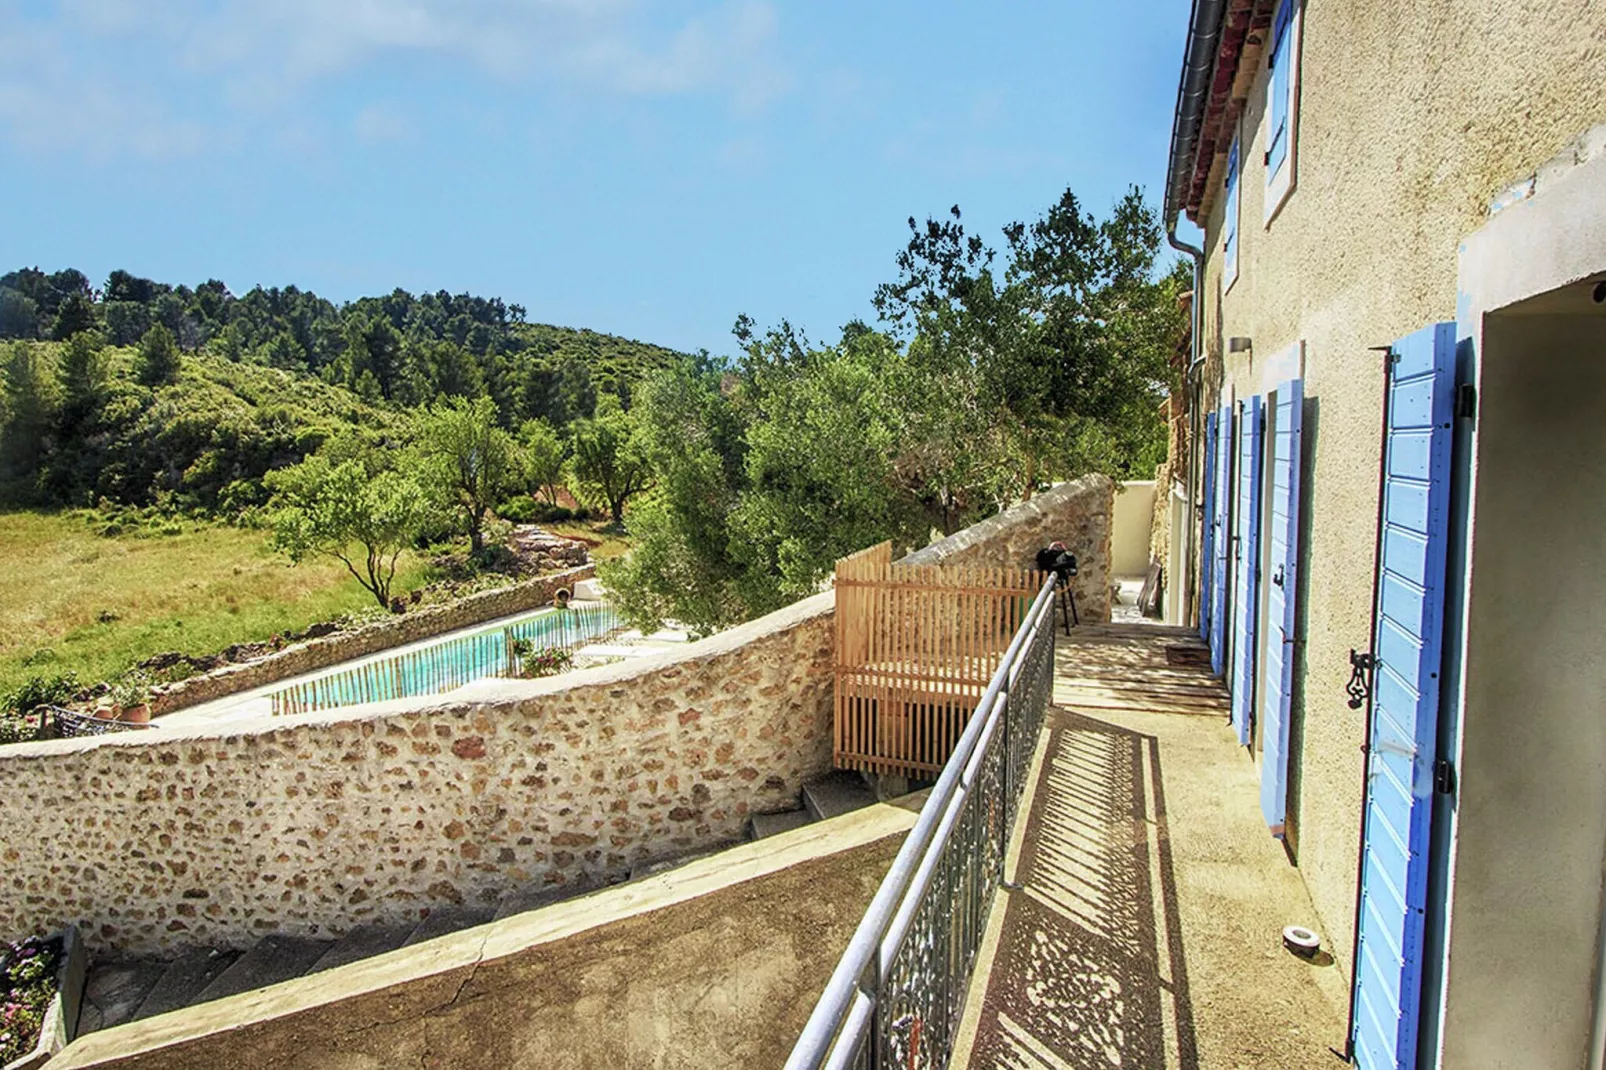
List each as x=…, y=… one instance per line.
x=73, y=600
x=142, y=393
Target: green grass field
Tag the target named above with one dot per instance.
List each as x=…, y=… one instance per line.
x=71, y=599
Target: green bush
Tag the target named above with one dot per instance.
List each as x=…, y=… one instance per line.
x=520, y=509
x=41, y=691
x=548, y=662
x=19, y=709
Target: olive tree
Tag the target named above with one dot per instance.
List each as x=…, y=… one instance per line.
x=362, y=519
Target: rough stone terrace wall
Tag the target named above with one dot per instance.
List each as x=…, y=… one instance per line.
x=1078, y=514
x=314, y=823
x=321, y=653
x=710, y=965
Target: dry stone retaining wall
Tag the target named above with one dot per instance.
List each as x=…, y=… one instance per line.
x=1078, y=513
x=321, y=653
x=315, y=823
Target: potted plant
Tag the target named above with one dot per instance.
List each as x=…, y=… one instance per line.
x=131, y=695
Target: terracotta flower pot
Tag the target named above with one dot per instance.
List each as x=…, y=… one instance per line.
x=140, y=714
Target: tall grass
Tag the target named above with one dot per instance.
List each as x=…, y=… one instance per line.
x=71, y=599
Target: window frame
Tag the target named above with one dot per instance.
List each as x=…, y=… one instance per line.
x=1280, y=183
x=1231, y=215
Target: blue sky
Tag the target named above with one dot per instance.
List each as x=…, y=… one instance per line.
x=649, y=169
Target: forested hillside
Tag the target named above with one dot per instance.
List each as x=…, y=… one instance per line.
x=140, y=392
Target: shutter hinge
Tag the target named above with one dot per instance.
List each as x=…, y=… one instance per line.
x=1466, y=402
x=1443, y=776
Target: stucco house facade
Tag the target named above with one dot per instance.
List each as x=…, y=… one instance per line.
x=1398, y=453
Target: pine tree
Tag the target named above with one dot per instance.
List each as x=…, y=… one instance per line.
x=30, y=411
x=83, y=378
x=157, y=362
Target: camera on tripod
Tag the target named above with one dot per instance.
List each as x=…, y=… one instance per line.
x=1061, y=562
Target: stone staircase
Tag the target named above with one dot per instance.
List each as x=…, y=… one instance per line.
x=127, y=990
x=832, y=795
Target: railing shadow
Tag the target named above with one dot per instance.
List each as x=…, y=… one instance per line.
x=1089, y=970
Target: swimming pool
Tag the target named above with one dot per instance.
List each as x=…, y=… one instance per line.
x=447, y=664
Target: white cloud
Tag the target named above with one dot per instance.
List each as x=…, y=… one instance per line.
x=380, y=123
x=174, y=70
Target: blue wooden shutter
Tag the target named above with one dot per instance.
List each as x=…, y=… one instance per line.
x=1246, y=562
x=1283, y=554
x=1282, y=65
x=1221, y=541
x=1208, y=523
x=1405, y=700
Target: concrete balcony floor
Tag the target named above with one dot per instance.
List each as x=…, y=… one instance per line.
x=1147, y=928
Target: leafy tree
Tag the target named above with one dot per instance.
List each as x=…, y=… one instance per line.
x=373, y=346
x=1062, y=353
x=471, y=456
x=440, y=369
x=610, y=463
x=77, y=313
x=83, y=377
x=19, y=314
x=29, y=417
x=683, y=565
x=157, y=362
x=284, y=352
x=126, y=321
x=364, y=520
x=820, y=468
x=544, y=458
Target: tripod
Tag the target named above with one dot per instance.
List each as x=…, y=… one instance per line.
x=1067, y=599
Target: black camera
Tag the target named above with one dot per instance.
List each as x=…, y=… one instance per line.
x=1059, y=561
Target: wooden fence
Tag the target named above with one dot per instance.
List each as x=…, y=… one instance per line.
x=915, y=649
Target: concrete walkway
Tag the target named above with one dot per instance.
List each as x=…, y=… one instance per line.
x=1147, y=928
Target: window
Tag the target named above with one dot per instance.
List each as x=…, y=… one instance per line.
x=1229, y=228
x=1282, y=101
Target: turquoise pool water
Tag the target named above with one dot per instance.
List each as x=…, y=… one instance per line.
x=447, y=664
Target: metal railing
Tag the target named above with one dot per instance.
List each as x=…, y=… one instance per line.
x=897, y=996
x=68, y=723
x=448, y=664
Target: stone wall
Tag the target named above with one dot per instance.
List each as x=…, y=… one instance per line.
x=314, y=823
x=713, y=964
x=1076, y=513
x=321, y=653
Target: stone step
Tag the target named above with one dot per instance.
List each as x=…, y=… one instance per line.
x=275, y=958
x=762, y=825
x=444, y=920
x=835, y=794
x=527, y=899
x=365, y=941
x=185, y=979
x=114, y=991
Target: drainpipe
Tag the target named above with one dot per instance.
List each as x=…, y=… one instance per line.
x=1193, y=389
x=1193, y=94
x=1597, y=1039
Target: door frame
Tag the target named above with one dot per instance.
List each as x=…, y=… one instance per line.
x=1544, y=233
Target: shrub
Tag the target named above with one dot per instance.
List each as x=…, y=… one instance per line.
x=548, y=662
x=520, y=509
x=40, y=691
